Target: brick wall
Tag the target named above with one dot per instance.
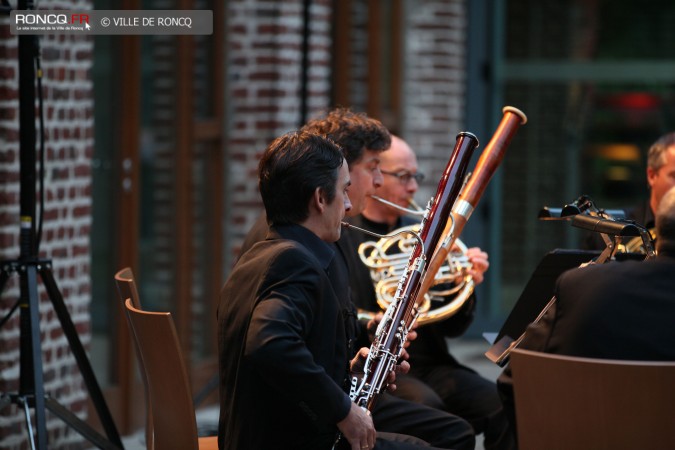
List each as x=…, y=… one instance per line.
x=263, y=76
x=434, y=53
x=263, y=70
x=68, y=104
x=434, y=83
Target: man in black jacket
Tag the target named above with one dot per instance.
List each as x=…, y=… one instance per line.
x=363, y=140
x=284, y=353
x=618, y=310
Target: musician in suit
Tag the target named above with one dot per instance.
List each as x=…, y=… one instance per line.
x=618, y=310
x=363, y=140
x=436, y=378
x=284, y=355
x=660, y=178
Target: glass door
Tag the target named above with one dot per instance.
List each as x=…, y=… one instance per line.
x=597, y=81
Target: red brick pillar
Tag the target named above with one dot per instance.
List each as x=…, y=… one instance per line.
x=264, y=82
x=434, y=84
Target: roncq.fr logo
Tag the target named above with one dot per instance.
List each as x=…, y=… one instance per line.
x=51, y=19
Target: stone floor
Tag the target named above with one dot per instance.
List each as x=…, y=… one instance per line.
x=468, y=351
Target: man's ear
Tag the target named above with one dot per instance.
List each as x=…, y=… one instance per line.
x=319, y=200
x=651, y=174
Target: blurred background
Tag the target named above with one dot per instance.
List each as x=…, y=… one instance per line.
x=152, y=145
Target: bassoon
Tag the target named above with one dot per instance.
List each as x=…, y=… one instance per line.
x=487, y=165
x=438, y=230
x=399, y=317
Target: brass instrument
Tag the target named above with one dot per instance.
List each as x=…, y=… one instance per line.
x=387, y=259
x=399, y=318
x=441, y=268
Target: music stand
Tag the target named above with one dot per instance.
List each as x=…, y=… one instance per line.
x=535, y=297
x=31, y=392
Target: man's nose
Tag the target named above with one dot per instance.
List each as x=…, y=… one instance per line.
x=378, y=179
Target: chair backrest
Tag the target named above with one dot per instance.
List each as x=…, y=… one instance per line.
x=127, y=289
x=565, y=402
x=173, y=413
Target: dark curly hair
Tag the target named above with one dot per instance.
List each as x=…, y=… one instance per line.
x=354, y=132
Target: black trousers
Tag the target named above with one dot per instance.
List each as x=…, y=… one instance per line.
x=392, y=441
x=434, y=426
x=460, y=391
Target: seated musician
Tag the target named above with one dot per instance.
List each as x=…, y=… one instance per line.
x=436, y=378
x=618, y=310
x=363, y=141
x=660, y=177
x=660, y=174
x=282, y=339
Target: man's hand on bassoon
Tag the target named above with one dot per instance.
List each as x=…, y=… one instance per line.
x=373, y=323
x=357, y=367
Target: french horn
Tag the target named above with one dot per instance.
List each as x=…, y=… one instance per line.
x=388, y=257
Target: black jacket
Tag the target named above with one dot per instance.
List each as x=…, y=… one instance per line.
x=282, y=346
x=618, y=310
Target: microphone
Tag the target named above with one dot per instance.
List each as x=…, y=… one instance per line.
x=547, y=213
x=568, y=211
x=606, y=226
x=572, y=210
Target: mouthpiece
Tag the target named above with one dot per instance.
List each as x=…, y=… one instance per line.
x=385, y=236
x=413, y=212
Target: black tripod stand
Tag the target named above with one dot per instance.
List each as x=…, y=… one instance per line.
x=31, y=394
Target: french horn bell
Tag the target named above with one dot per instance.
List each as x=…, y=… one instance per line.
x=388, y=257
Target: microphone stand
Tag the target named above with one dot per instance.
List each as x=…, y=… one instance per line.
x=31, y=394
x=612, y=232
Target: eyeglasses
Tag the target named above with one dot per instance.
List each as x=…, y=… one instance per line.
x=404, y=176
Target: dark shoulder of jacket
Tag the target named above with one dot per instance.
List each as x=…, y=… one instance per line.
x=255, y=234
x=279, y=252
x=596, y=274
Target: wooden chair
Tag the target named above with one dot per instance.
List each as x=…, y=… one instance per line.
x=127, y=289
x=572, y=403
x=173, y=414
x=171, y=420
